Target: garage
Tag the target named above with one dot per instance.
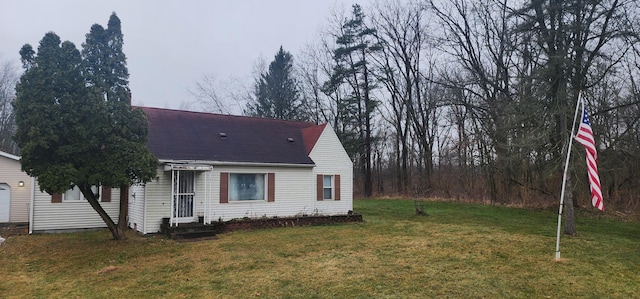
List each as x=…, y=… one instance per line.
x=5, y=202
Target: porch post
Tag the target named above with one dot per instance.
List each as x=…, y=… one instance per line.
x=209, y=198
x=173, y=192
x=204, y=198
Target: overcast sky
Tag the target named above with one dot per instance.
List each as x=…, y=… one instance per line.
x=172, y=44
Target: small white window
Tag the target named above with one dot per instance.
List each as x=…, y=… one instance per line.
x=327, y=188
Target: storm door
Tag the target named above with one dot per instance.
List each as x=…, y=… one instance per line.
x=183, y=195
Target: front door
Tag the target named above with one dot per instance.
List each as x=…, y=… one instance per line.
x=5, y=202
x=183, y=195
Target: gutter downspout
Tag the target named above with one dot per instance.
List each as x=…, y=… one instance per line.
x=33, y=194
x=144, y=210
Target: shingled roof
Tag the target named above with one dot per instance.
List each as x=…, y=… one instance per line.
x=186, y=135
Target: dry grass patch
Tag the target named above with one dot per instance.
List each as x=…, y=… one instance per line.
x=459, y=251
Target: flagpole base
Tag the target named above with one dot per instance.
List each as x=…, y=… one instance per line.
x=557, y=255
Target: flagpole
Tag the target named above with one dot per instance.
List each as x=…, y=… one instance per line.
x=564, y=175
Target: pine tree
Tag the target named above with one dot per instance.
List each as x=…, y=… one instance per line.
x=276, y=91
x=75, y=124
x=106, y=71
x=59, y=120
x=355, y=44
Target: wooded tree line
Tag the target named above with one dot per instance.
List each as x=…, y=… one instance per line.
x=474, y=99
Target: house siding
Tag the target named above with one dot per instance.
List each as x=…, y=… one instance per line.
x=293, y=196
x=158, y=200
x=11, y=174
x=136, y=208
x=204, y=189
x=331, y=159
x=48, y=216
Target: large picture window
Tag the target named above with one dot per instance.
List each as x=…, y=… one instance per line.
x=246, y=186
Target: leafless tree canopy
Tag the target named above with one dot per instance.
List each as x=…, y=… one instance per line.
x=476, y=98
x=8, y=80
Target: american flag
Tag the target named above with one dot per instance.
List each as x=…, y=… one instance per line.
x=585, y=137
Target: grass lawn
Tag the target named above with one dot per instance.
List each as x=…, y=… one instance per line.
x=458, y=251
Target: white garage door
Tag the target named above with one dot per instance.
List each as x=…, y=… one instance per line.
x=5, y=202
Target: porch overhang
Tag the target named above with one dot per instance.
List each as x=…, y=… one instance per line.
x=191, y=167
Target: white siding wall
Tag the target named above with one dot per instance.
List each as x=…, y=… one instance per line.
x=204, y=191
x=136, y=207
x=11, y=174
x=294, y=195
x=158, y=200
x=331, y=159
x=66, y=215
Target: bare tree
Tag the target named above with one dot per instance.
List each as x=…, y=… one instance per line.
x=401, y=33
x=477, y=36
x=574, y=38
x=8, y=81
x=220, y=96
x=314, y=67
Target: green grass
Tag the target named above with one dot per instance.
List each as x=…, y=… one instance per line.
x=459, y=250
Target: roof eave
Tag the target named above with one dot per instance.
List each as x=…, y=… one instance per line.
x=244, y=164
x=10, y=156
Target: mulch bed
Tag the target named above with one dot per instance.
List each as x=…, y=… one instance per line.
x=13, y=230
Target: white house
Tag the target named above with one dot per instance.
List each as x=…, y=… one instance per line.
x=221, y=167
x=216, y=168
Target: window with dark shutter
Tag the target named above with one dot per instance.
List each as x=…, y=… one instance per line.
x=106, y=194
x=56, y=197
x=224, y=187
x=319, y=187
x=271, y=187
x=336, y=186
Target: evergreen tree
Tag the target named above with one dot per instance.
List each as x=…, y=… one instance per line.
x=276, y=91
x=75, y=124
x=355, y=44
x=59, y=120
x=105, y=70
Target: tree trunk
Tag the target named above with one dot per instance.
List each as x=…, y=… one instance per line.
x=118, y=234
x=368, y=107
x=123, y=212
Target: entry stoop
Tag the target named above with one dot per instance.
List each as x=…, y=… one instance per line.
x=191, y=231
